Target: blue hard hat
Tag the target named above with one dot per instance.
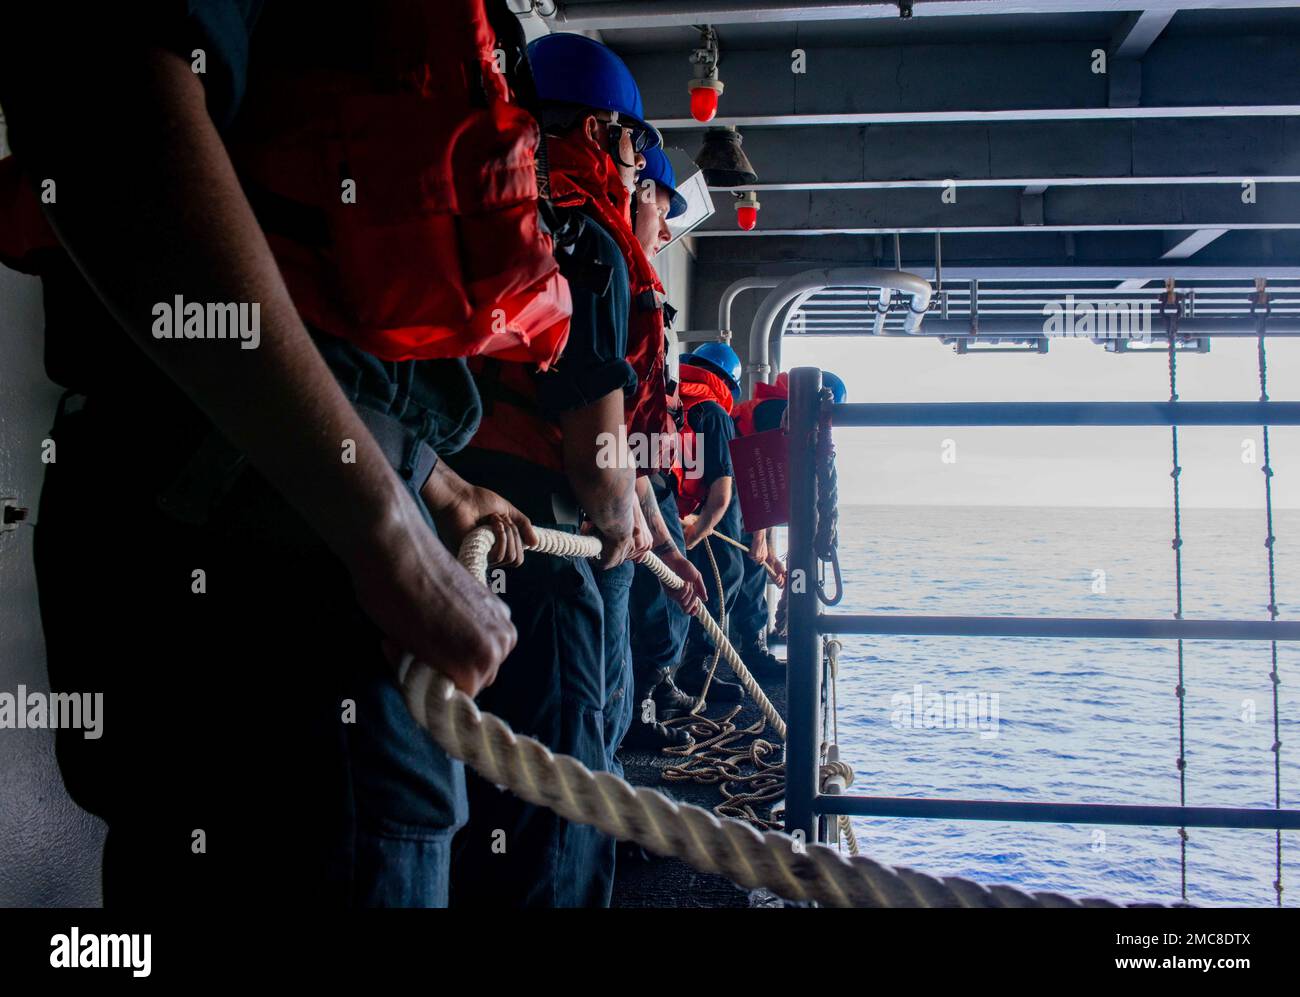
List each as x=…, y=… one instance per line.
x=660, y=170
x=719, y=358
x=838, y=391
x=574, y=69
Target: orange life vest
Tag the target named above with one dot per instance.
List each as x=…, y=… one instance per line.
x=743, y=413
x=511, y=420
x=583, y=176
x=697, y=385
x=402, y=203
x=441, y=252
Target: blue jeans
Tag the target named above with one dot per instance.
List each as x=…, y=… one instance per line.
x=551, y=687
x=255, y=744
x=615, y=588
x=749, y=615
x=658, y=624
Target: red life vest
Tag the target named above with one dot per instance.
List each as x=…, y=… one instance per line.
x=583, y=176
x=442, y=253
x=743, y=413
x=697, y=385
x=511, y=421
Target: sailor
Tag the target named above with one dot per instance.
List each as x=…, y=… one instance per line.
x=228, y=533
x=708, y=501
x=659, y=620
x=544, y=444
x=748, y=623
x=764, y=412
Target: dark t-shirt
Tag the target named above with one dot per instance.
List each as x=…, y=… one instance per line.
x=714, y=430
x=593, y=362
x=768, y=414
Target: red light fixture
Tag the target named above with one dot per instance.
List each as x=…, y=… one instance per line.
x=747, y=210
x=705, y=87
x=704, y=102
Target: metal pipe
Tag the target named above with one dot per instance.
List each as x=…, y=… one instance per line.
x=882, y=311
x=1034, y=626
x=733, y=291
x=804, y=643
x=938, y=275
x=1113, y=272
x=1058, y=813
x=1067, y=414
x=1032, y=327
x=815, y=280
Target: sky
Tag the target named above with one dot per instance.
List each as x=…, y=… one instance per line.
x=1088, y=466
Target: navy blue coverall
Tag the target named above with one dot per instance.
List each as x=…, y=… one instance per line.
x=553, y=685
x=714, y=430
x=658, y=624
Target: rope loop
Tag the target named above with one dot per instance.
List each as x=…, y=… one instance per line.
x=826, y=536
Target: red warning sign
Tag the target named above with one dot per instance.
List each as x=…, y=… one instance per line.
x=761, y=464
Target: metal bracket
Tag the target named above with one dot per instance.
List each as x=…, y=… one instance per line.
x=11, y=513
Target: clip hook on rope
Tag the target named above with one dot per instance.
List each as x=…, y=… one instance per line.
x=834, y=562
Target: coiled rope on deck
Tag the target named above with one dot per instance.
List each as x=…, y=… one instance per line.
x=778, y=862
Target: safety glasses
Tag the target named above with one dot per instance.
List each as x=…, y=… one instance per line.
x=640, y=136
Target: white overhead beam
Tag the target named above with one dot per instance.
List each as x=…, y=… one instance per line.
x=1031, y=186
x=675, y=13
x=1193, y=243
x=931, y=229
x=1138, y=31
x=1017, y=114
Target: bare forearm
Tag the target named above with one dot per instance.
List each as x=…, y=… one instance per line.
x=606, y=494
x=161, y=214
x=715, y=506
x=659, y=535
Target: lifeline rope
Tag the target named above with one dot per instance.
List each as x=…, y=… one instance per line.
x=736, y=543
x=833, y=660
x=826, y=537
x=1261, y=297
x=774, y=861
x=722, y=625
x=1171, y=325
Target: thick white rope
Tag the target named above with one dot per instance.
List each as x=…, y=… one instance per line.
x=474, y=554
x=778, y=862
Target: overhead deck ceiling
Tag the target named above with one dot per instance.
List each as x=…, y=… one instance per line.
x=1129, y=172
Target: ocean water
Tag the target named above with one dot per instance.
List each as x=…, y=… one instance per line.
x=1091, y=721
